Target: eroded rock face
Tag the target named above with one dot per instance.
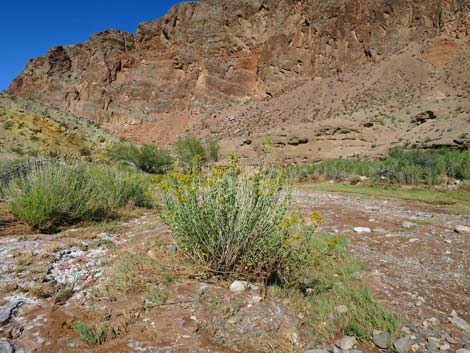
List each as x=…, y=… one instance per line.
x=203, y=56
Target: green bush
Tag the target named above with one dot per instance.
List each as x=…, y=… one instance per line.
x=188, y=149
x=237, y=225
x=213, y=150
x=147, y=158
x=57, y=194
x=430, y=167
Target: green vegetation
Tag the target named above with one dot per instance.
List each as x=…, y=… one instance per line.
x=190, y=148
x=57, y=194
x=431, y=196
x=334, y=284
x=90, y=335
x=147, y=158
x=430, y=167
x=238, y=225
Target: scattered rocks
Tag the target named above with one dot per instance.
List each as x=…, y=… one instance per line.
x=6, y=347
x=238, y=286
x=346, y=343
x=402, y=345
x=381, y=339
x=462, y=229
x=361, y=230
x=460, y=323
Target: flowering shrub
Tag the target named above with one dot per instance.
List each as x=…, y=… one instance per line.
x=238, y=225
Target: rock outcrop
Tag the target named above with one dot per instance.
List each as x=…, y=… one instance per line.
x=203, y=56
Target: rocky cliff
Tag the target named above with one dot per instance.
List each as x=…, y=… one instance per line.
x=201, y=58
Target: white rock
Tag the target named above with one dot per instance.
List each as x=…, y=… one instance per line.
x=361, y=230
x=408, y=225
x=238, y=286
x=346, y=343
x=463, y=350
x=444, y=347
x=462, y=229
x=342, y=309
x=460, y=323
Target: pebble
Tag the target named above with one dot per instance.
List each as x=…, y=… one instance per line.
x=6, y=347
x=238, y=286
x=462, y=229
x=172, y=250
x=462, y=350
x=317, y=351
x=415, y=347
x=402, y=345
x=7, y=310
x=342, y=309
x=460, y=323
x=444, y=347
x=446, y=259
x=381, y=339
x=346, y=343
x=408, y=225
x=361, y=230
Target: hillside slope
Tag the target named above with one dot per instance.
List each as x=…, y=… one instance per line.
x=32, y=128
x=246, y=67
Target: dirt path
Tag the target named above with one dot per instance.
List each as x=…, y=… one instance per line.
x=417, y=265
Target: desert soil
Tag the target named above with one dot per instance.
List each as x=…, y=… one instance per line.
x=417, y=266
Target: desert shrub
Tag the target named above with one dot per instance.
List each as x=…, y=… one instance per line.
x=56, y=194
x=189, y=148
x=213, y=150
x=147, y=158
x=238, y=225
x=431, y=167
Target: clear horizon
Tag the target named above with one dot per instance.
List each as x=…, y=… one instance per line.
x=30, y=28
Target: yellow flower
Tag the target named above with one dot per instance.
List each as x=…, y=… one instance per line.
x=222, y=200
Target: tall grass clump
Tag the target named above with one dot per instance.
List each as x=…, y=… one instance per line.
x=238, y=225
x=430, y=167
x=147, y=158
x=57, y=194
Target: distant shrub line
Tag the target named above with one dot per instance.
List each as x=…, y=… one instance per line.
x=151, y=159
x=430, y=167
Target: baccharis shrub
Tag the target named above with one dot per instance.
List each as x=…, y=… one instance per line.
x=58, y=194
x=239, y=225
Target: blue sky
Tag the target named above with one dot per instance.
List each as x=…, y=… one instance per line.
x=29, y=27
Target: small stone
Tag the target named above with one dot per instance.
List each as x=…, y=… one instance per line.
x=381, y=339
x=460, y=323
x=361, y=230
x=317, y=351
x=342, y=309
x=462, y=229
x=432, y=346
x=446, y=259
x=346, y=343
x=7, y=310
x=172, y=250
x=309, y=282
x=6, y=347
x=238, y=286
x=462, y=350
x=402, y=345
x=415, y=347
x=444, y=347
x=408, y=225
x=413, y=240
